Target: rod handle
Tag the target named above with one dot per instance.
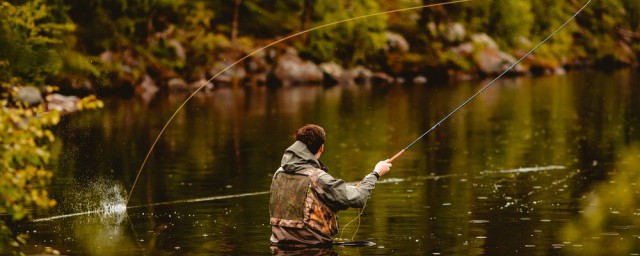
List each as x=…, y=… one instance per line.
x=395, y=156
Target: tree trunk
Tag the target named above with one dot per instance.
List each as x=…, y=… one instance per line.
x=234, y=25
x=432, y=14
x=306, y=18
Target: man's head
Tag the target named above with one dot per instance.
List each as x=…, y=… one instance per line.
x=313, y=136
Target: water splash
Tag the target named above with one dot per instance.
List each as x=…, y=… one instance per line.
x=528, y=169
x=101, y=199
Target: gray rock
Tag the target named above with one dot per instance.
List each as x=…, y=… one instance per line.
x=204, y=83
x=147, y=88
x=335, y=73
x=419, y=80
x=465, y=49
x=483, y=40
x=228, y=76
x=30, y=95
x=292, y=70
x=179, y=50
x=396, y=42
x=106, y=57
x=61, y=103
x=490, y=61
x=382, y=77
x=489, y=58
x=361, y=73
x=454, y=32
x=177, y=84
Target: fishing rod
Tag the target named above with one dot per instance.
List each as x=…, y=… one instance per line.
x=135, y=181
x=394, y=157
x=488, y=84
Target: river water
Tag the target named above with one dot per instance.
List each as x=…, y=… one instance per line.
x=533, y=166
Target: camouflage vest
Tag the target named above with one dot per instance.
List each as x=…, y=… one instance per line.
x=294, y=202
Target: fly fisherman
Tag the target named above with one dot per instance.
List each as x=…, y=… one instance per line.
x=305, y=198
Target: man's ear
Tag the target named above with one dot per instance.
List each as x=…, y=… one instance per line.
x=321, y=148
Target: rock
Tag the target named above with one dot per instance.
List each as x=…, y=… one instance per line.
x=381, y=77
x=237, y=72
x=454, y=32
x=61, y=103
x=559, y=71
x=335, y=74
x=396, y=42
x=419, y=80
x=524, y=42
x=360, y=74
x=177, y=84
x=488, y=57
x=492, y=61
x=179, y=50
x=290, y=69
x=147, y=88
x=465, y=49
x=126, y=69
x=482, y=40
x=30, y=95
x=106, y=57
x=206, y=85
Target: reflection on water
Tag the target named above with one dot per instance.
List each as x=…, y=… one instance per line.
x=512, y=172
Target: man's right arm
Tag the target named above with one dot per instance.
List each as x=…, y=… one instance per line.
x=339, y=195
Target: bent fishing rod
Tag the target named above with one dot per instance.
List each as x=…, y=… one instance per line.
x=488, y=84
x=153, y=145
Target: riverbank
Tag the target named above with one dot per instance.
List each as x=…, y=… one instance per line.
x=141, y=48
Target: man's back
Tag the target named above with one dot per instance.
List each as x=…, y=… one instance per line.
x=305, y=199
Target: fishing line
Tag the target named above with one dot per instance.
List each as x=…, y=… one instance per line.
x=233, y=196
x=259, y=50
x=483, y=88
x=489, y=84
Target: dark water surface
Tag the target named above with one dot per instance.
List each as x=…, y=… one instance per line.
x=525, y=168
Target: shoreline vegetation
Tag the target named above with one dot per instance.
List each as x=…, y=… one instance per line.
x=141, y=47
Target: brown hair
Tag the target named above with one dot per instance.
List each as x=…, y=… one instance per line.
x=311, y=135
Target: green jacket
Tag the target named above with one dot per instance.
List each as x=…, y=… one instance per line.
x=336, y=193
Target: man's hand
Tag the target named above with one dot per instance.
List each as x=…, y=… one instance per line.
x=382, y=168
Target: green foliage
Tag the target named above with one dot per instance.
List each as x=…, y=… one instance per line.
x=25, y=140
x=510, y=20
x=349, y=43
x=549, y=15
x=37, y=42
x=24, y=155
x=632, y=10
x=600, y=214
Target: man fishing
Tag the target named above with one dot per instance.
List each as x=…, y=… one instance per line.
x=305, y=198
